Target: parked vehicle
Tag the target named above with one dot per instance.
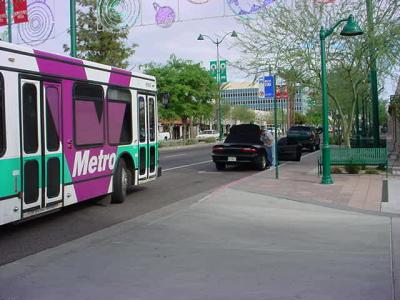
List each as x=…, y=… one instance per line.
x=306, y=136
x=163, y=136
x=206, y=134
x=243, y=146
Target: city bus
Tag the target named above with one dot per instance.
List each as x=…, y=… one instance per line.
x=71, y=130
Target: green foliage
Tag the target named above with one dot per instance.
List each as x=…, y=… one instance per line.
x=106, y=47
x=371, y=171
x=190, y=86
x=314, y=117
x=336, y=170
x=352, y=169
x=299, y=118
x=243, y=114
x=210, y=140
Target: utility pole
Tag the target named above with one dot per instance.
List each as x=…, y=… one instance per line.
x=72, y=27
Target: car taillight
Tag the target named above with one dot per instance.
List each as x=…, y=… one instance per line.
x=248, y=150
x=218, y=149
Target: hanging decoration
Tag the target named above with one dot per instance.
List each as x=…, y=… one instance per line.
x=165, y=15
x=247, y=7
x=114, y=15
x=40, y=25
x=3, y=13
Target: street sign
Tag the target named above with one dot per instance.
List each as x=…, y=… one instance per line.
x=222, y=67
x=269, y=86
x=213, y=69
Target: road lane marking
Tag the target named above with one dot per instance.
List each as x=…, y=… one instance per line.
x=175, y=155
x=189, y=165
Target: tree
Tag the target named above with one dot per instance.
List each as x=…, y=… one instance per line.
x=191, y=90
x=106, y=47
x=299, y=118
x=285, y=35
x=243, y=114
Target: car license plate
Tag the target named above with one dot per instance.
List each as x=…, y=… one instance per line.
x=231, y=158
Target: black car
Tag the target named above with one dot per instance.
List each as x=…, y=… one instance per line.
x=306, y=136
x=243, y=146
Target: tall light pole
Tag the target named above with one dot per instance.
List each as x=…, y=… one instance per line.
x=373, y=74
x=217, y=42
x=73, y=27
x=350, y=29
x=9, y=20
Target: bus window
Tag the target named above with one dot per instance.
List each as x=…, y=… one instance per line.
x=2, y=118
x=52, y=119
x=152, y=124
x=88, y=115
x=142, y=120
x=30, y=115
x=119, y=116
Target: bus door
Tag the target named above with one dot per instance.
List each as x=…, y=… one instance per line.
x=41, y=146
x=147, y=137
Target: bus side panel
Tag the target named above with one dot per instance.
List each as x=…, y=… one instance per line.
x=10, y=162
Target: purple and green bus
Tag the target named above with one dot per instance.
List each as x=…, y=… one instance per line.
x=71, y=130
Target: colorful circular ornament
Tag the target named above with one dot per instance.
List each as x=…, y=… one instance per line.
x=165, y=15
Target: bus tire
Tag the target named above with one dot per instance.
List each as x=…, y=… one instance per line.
x=120, y=182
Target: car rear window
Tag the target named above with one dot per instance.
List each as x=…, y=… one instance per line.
x=244, y=134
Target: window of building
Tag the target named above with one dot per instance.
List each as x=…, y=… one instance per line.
x=2, y=118
x=88, y=114
x=119, y=116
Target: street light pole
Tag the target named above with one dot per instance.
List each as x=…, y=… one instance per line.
x=72, y=27
x=217, y=42
x=220, y=129
x=350, y=29
x=326, y=156
x=9, y=20
x=374, y=76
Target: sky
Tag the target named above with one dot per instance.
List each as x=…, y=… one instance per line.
x=158, y=42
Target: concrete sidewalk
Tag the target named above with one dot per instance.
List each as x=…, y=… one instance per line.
x=231, y=244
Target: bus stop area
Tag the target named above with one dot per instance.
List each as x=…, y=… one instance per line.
x=246, y=240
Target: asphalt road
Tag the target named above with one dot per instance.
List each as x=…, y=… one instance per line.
x=186, y=173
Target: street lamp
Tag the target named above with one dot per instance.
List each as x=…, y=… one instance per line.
x=217, y=42
x=350, y=29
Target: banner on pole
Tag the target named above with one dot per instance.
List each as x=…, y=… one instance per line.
x=3, y=13
x=20, y=11
x=269, y=86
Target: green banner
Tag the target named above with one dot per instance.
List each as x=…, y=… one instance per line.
x=222, y=70
x=213, y=69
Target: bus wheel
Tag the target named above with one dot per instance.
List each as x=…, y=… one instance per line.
x=120, y=182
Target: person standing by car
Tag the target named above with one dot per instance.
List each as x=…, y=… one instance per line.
x=268, y=140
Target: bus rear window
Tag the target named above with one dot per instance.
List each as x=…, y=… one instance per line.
x=89, y=115
x=2, y=119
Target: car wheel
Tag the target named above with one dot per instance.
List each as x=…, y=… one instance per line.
x=121, y=182
x=312, y=148
x=220, y=166
x=261, y=163
x=317, y=147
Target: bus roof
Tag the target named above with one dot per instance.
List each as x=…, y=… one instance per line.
x=25, y=58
